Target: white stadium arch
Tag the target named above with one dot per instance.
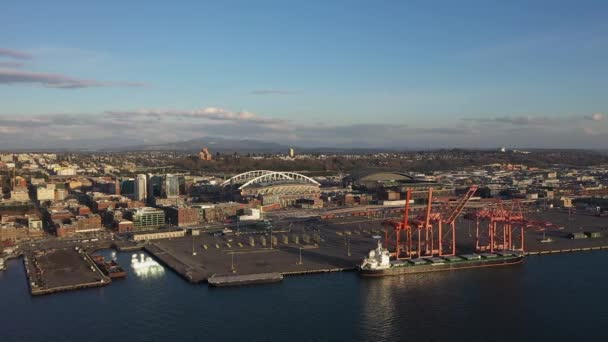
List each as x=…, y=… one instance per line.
x=266, y=176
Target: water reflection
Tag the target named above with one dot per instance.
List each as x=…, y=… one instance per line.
x=440, y=305
x=145, y=267
x=387, y=301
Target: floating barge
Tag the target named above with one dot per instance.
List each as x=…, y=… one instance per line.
x=245, y=279
x=110, y=268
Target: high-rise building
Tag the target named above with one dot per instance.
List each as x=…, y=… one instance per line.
x=127, y=186
x=171, y=185
x=155, y=186
x=141, y=188
x=292, y=153
x=204, y=154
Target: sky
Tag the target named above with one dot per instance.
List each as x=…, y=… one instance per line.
x=381, y=74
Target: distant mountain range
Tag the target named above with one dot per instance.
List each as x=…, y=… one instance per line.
x=223, y=145
x=214, y=144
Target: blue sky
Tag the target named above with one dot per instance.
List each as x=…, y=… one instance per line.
x=310, y=73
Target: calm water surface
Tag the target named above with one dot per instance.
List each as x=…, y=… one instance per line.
x=558, y=297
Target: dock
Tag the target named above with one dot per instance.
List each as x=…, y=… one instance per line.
x=127, y=246
x=59, y=270
x=190, y=272
x=297, y=252
x=245, y=279
x=568, y=250
x=334, y=245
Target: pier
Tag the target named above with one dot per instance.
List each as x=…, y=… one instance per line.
x=240, y=280
x=571, y=250
x=294, y=251
x=333, y=245
x=58, y=270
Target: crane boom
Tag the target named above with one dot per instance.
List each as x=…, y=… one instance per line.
x=461, y=204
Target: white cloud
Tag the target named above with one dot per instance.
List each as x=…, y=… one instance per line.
x=14, y=54
x=271, y=92
x=206, y=113
x=11, y=76
x=152, y=126
x=595, y=117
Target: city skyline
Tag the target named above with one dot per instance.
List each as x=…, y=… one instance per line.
x=405, y=75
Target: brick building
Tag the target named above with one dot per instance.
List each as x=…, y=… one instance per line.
x=182, y=216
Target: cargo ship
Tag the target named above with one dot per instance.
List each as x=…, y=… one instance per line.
x=378, y=263
x=110, y=268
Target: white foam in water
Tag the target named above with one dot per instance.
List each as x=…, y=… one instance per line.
x=146, y=267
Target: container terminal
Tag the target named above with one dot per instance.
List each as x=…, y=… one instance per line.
x=338, y=244
x=298, y=246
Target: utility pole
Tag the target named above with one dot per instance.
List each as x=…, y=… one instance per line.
x=193, y=251
x=348, y=247
x=271, y=236
x=232, y=262
x=300, y=262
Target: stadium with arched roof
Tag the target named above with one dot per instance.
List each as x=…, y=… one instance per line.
x=272, y=187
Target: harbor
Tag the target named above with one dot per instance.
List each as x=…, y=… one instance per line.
x=341, y=245
x=294, y=247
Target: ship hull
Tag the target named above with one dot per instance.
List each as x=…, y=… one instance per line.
x=448, y=266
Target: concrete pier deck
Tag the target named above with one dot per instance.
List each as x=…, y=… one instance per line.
x=247, y=279
x=197, y=258
x=57, y=270
x=343, y=243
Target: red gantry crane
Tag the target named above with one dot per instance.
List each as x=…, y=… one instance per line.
x=504, y=229
x=429, y=234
